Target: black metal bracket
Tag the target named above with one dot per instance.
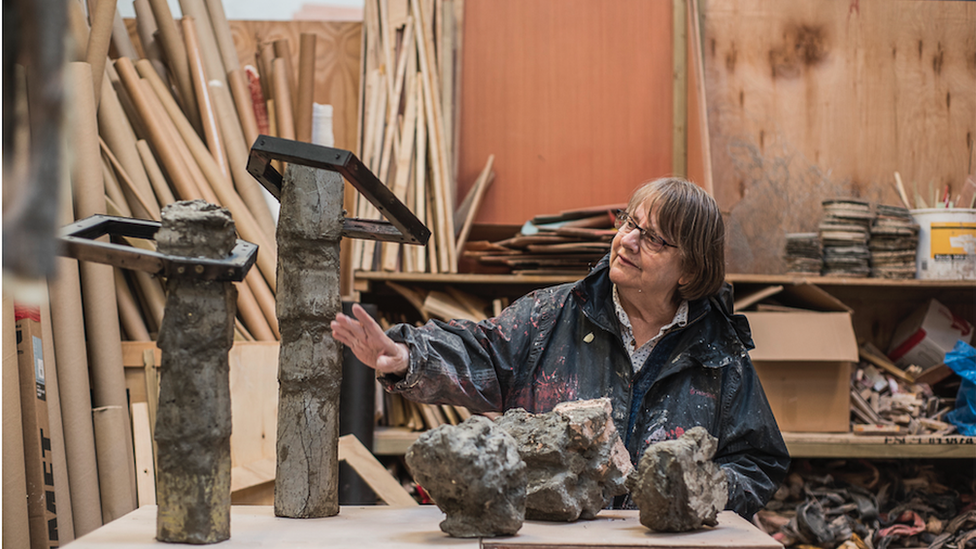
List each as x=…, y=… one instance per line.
x=78, y=240
x=403, y=225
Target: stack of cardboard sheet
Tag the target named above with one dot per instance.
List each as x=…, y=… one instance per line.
x=894, y=240
x=844, y=233
x=803, y=254
x=572, y=241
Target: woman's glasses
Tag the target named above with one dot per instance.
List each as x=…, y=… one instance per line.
x=650, y=241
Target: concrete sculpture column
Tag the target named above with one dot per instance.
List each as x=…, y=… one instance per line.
x=309, y=229
x=193, y=423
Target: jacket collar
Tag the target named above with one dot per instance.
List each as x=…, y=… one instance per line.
x=731, y=331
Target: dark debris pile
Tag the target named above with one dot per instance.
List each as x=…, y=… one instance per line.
x=874, y=505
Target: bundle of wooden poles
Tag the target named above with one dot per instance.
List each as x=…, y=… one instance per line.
x=412, y=55
x=167, y=117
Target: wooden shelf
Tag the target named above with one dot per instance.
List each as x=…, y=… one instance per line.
x=394, y=441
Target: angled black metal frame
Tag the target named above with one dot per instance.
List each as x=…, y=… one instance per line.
x=78, y=241
x=403, y=225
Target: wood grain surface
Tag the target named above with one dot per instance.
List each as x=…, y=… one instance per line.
x=573, y=97
x=809, y=101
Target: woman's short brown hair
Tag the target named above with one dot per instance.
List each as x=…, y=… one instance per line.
x=689, y=218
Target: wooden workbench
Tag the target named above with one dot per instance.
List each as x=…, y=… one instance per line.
x=381, y=526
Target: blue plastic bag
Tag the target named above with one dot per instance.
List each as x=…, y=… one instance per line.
x=962, y=360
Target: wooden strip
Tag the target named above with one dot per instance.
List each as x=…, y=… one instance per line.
x=756, y=297
x=145, y=467
x=404, y=166
x=306, y=88
x=102, y=18
x=472, y=304
x=421, y=187
x=478, y=189
x=698, y=64
x=352, y=451
x=871, y=354
x=443, y=195
x=679, y=127
x=176, y=59
x=199, y=75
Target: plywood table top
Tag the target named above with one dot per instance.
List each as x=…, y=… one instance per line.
x=382, y=526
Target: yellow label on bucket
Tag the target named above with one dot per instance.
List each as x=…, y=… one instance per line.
x=953, y=240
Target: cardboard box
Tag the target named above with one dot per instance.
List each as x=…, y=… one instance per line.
x=804, y=361
x=926, y=335
x=39, y=461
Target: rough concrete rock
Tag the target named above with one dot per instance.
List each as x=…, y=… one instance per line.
x=575, y=458
x=677, y=487
x=474, y=473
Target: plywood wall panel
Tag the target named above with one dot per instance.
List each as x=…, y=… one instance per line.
x=815, y=100
x=573, y=97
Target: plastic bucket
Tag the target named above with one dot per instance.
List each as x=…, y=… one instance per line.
x=946, y=243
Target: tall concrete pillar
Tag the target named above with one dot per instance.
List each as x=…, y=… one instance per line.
x=193, y=422
x=310, y=360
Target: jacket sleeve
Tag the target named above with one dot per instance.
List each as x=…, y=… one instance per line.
x=751, y=449
x=464, y=363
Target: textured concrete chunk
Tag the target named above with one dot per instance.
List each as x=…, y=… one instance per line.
x=193, y=422
x=474, y=473
x=310, y=359
x=575, y=458
x=677, y=487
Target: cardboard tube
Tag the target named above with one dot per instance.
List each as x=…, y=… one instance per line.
x=282, y=50
x=178, y=172
x=245, y=107
x=121, y=40
x=119, y=137
x=164, y=195
x=129, y=313
x=103, y=18
x=79, y=32
x=222, y=33
x=154, y=297
x=16, y=528
x=306, y=87
x=197, y=70
x=246, y=225
x=68, y=326
x=98, y=288
x=266, y=301
x=62, y=489
x=175, y=52
x=258, y=103
x=209, y=51
x=237, y=153
x=113, y=192
x=266, y=57
x=146, y=27
x=284, y=117
x=117, y=496
x=133, y=194
x=250, y=312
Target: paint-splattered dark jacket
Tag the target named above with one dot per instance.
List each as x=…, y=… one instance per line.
x=563, y=343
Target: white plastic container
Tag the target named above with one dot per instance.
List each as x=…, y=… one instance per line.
x=946, y=243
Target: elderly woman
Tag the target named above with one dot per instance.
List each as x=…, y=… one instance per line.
x=651, y=327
